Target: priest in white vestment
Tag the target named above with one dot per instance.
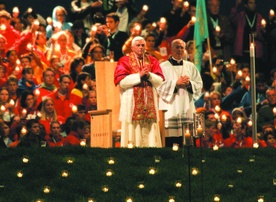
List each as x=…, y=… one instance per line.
x=138, y=76
x=181, y=87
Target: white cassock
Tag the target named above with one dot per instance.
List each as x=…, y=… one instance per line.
x=140, y=134
x=179, y=105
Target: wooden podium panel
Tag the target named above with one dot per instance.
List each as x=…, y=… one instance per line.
x=101, y=128
x=108, y=95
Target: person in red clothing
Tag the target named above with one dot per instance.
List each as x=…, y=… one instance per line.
x=270, y=139
x=55, y=138
x=62, y=97
x=48, y=85
x=48, y=114
x=239, y=139
x=78, y=131
x=212, y=136
x=7, y=30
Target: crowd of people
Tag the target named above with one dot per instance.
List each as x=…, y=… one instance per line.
x=48, y=80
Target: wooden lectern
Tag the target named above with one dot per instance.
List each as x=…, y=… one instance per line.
x=108, y=101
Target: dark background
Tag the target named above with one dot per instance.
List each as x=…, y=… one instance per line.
x=156, y=7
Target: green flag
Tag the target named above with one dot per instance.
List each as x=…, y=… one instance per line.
x=200, y=32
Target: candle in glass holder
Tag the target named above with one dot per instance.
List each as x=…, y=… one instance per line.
x=216, y=198
x=163, y=20
x=187, y=137
x=83, y=142
x=24, y=112
x=3, y=27
x=70, y=161
x=3, y=108
x=111, y=161
x=105, y=188
x=215, y=147
x=239, y=120
x=37, y=92
x=157, y=159
x=109, y=173
x=178, y=184
x=46, y=189
x=15, y=10
x=19, y=174
x=215, y=69
x=175, y=147
x=141, y=185
x=260, y=198
x=193, y=19
x=171, y=199
x=91, y=200
x=194, y=171
x=252, y=50
x=23, y=131
x=130, y=145
x=64, y=173
x=255, y=145
x=152, y=171
x=25, y=159
x=199, y=130
x=129, y=199
x=240, y=73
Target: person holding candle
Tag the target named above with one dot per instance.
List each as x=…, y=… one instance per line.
x=182, y=85
x=220, y=31
x=246, y=22
x=77, y=132
x=62, y=97
x=7, y=106
x=138, y=75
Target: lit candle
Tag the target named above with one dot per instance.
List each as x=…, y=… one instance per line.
x=178, y=184
x=111, y=161
x=18, y=62
x=215, y=69
x=193, y=19
x=129, y=199
x=15, y=10
x=206, y=95
x=36, y=22
x=109, y=173
x=216, y=198
x=46, y=190
x=70, y=161
x=29, y=46
x=3, y=27
x=219, y=125
x=249, y=123
x=215, y=147
x=271, y=13
x=64, y=173
x=157, y=159
x=3, y=108
x=37, y=92
x=17, y=69
x=199, y=130
x=85, y=86
x=263, y=22
x=30, y=10
x=240, y=73
x=152, y=171
x=74, y=109
x=239, y=170
x=186, y=4
x=217, y=109
x=223, y=118
x=12, y=102
x=274, y=111
x=141, y=185
x=261, y=199
x=145, y=8
x=216, y=116
x=217, y=29
x=105, y=189
x=154, y=25
x=19, y=174
x=232, y=61
x=247, y=78
x=38, y=114
x=187, y=137
x=194, y=171
x=239, y=120
x=90, y=200
x=24, y=112
x=25, y=159
x=171, y=200
x=175, y=147
x=256, y=145
x=49, y=20
x=252, y=50
x=130, y=145
x=83, y=142
x=163, y=20
x=23, y=131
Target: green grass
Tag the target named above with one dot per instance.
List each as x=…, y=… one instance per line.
x=87, y=174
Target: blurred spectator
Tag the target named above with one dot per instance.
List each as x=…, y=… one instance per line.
x=55, y=138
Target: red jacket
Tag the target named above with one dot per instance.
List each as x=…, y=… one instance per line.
x=72, y=139
x=247, y=142
x=62, y=107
